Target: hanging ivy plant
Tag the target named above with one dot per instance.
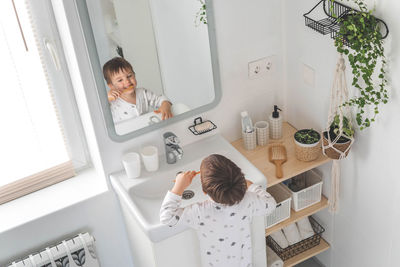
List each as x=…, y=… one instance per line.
x=201, y=16
x=359, y=38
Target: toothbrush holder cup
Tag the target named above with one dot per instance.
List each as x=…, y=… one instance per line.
x=262, y=131
x=131, y=162
x=249, y=140
x=150, y=158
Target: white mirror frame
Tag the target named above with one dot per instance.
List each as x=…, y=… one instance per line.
x=102, y=92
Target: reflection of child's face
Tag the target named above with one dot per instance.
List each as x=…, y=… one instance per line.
x=123, y=80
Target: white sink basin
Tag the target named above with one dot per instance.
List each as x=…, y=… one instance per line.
x=144, y=195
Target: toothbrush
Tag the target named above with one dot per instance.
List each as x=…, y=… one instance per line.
x=196, y=174
x=112, y=98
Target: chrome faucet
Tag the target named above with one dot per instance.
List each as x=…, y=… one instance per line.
x=173, y=151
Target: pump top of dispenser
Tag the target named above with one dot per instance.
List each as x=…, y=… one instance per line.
x=275, y=113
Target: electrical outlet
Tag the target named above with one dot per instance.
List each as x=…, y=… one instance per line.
x=260, y=67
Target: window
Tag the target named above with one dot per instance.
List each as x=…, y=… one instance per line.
x=41, y=138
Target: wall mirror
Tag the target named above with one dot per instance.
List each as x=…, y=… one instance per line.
x=172, y=53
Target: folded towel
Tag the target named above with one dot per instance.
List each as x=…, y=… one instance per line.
x=292, y=233
x=305, y=228
x=280, y=238
x=273, y=260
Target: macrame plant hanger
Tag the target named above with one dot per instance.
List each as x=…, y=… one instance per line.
x=339, y=95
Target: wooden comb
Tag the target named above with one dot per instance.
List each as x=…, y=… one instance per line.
x=277, y=155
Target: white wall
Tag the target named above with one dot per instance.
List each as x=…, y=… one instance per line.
x=99, y=216
x=138, y=42
x=184, y=52
x=364, y=232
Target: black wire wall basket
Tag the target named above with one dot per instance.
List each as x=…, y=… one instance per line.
x=325, y=17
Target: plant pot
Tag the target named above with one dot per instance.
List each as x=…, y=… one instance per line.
x=307, y=152
x=342, y=144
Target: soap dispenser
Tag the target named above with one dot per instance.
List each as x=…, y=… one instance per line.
x=275, y=124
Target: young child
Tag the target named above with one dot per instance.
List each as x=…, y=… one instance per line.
x=127, y=101
x=222, y=222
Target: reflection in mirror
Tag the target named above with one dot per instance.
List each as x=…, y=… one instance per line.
x=170, y=58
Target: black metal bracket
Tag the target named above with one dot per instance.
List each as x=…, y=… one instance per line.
x=333, y=11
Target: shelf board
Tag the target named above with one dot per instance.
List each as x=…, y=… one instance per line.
x=295, y=216
x=323, y=245
x=292, y=167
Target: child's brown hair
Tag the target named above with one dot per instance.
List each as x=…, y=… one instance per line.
x=222, y=180
x=114, y=66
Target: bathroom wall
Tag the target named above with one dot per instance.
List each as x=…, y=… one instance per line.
x=183, y=46
x=364, y=232
x=99, y=216
x=245, y=32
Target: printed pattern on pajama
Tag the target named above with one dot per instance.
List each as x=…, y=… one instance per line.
x=146, y=101
x=224, y=231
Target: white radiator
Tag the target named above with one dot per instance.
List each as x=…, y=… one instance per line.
x=75, y=252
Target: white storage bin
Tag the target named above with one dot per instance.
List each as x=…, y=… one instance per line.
x=282, y=211
x=311, y=194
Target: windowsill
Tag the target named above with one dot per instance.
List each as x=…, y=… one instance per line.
x=51, y=199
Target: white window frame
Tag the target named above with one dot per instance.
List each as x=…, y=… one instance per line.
x=60, y=83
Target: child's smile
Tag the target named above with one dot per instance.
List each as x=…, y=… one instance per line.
x=123, y=80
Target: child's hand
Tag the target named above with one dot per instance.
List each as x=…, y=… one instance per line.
x=182, y=181
x=165, y=110
x=113, y=94
x=248, y=183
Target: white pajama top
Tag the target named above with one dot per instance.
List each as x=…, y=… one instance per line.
x=146, y=101
x=224, y=231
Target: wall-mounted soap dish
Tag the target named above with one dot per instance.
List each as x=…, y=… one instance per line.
x=201, y=127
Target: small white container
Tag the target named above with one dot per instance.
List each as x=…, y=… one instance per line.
x=312, y=192
x=283, y=201
x=262, y=131
x=131, y=162
x=150, y=158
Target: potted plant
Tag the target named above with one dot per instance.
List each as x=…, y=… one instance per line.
x=344, y=140
x=307, y=144
x=360, y=38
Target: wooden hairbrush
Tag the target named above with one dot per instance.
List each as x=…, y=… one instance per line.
x=277, y=155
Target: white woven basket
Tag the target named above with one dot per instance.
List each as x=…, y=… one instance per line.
x=311, y=194
x=283, y=200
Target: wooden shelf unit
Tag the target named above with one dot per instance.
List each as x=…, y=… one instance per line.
x=292, y=167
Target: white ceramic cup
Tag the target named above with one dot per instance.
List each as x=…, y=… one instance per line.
x=150, y=158
x=131, y=162
x=262, y=132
